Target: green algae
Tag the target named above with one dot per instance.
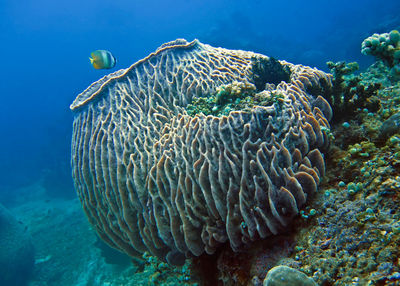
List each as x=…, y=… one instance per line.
x=236, y=96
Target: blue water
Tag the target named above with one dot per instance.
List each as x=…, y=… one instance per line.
x=45, y=47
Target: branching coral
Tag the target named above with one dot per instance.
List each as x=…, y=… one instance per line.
x=349, y=91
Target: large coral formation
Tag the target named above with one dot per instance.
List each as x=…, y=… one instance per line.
x=153, y=178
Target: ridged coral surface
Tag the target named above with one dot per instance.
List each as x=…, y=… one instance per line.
x=152, y=178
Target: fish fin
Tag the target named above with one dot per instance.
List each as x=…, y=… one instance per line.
x=97, y=66
x=91, y=60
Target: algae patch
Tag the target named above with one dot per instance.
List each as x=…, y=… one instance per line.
x=233, y=97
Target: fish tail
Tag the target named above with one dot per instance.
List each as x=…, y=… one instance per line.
x=91, y=60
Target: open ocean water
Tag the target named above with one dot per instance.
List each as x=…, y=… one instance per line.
x=345, y=232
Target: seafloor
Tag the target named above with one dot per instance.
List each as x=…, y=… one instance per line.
x=349, y=233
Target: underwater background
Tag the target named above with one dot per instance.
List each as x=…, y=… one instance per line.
x=44, y=51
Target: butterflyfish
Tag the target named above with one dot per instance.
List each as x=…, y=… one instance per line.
x=102, y=59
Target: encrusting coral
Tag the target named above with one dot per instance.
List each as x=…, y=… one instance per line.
x=153, y=178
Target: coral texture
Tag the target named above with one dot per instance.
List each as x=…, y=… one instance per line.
x=153, y=178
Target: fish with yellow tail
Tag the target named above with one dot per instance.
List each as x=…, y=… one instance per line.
x=102, y=59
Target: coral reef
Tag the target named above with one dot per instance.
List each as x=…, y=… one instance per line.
x=16, y=250
x=385, y=47
x=352, y=238
x=350, y=92
x=348, y=234
x=152, y=178
x=368, y=124
x=355, y=235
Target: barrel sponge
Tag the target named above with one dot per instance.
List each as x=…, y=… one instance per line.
x=16, y=250
x=152, y=178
